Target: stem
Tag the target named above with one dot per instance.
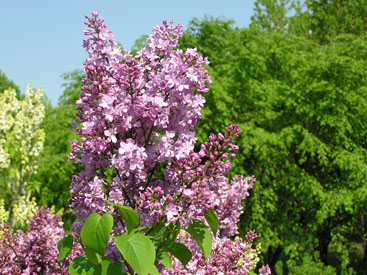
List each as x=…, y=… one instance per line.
x=127, y=197
x=150, y=229
x=133, y=183
x=129, y=268
x=150, y=177
x=196, y=178
x=166, y=239
x=150, y=132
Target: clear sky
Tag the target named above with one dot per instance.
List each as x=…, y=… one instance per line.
x=41, y=39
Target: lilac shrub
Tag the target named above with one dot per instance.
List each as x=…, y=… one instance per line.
x=136, y=118
x=35, y=251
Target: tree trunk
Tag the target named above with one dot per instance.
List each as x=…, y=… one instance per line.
x=324, y=240
x=273, y=257
x=365, y=254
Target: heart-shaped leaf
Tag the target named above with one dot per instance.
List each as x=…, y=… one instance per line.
x=130, y=216
x=96, y=230
x=64, y=246
x=138, y=251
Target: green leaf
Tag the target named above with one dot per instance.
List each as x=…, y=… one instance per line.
x=181, y=252
x=156, y=227
x=35, y=186
x=108, y=268
x=212, y=220
x=174, y=229
x=96, y=230
x=200, y=233
x=81, y=266
x=130, y=216
x=137, y=250
x=115, y=268
x=153, y=270
x=165, y=259
x=159, y=236
x=138, y=229
x=64, y=246
x=93, y=256
x=104, y=265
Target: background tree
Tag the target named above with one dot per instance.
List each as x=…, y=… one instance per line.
x=330, y=18
x=21, y=141
x=301, y=111
x=272, y=15
x=284, y=16
x=54, y=173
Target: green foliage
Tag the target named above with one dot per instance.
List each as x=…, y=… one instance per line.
x=72, y=85
x=330, y=18
x=141, y=248
x=310, y=265
x=284, y=16
x=301, y=110
x=82, y=266
x=55, y=171
x=271, y=15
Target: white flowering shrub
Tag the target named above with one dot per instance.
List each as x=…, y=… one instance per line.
x=21, y=141
x=23, y=211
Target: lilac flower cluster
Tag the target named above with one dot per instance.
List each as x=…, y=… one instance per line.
x=265, y=270
x=135, y=113
x=137, y=117
x=227, y=257
x=34, y=251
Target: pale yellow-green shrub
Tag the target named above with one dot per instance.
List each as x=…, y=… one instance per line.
x=21, y=141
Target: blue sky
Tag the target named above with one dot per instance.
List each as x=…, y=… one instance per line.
x=41, y=39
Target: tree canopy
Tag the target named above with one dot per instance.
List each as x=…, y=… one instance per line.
x=55, y=172
x=300, y=103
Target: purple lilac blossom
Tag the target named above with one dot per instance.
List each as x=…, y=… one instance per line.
x=136, y=116
x=265, y=270
x=227, y=257
x=35, y=251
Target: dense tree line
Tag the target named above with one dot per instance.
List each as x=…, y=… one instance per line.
x=298, y=91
